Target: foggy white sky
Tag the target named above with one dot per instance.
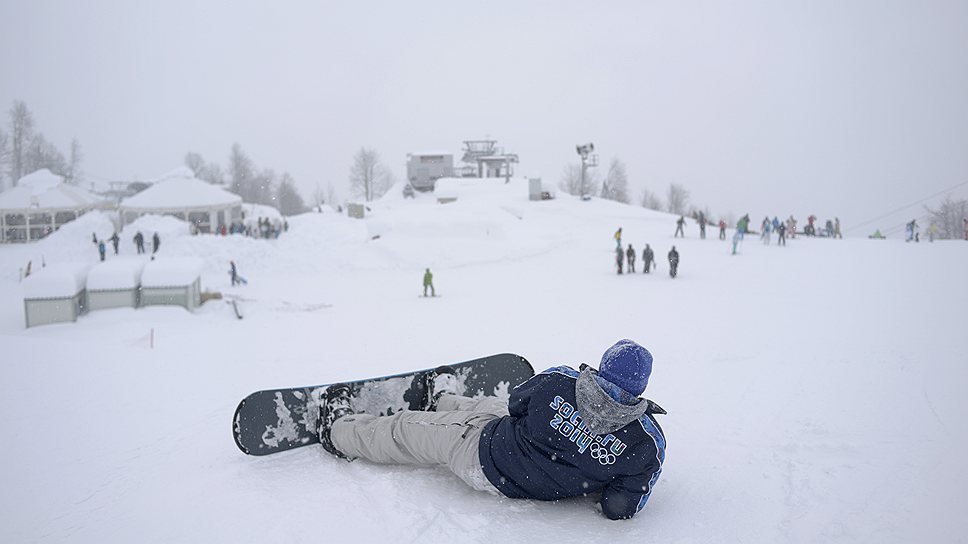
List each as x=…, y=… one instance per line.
x=847, y=108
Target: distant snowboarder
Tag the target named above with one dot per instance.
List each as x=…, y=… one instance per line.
x=673, y=261
x=139, y=242
x=648, y=259
x=630, y=255
x=155, y=243
x=679, y=224
x=114, y=242
x=428, y=281
x=234, y=275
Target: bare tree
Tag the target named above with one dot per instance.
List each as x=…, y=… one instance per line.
x=677, y=199
x=21, y=134
x=203, y=170
x=287, y=196
x=4, y=156
x=616, y=184
x=651, y=200
x=949, y=218
x=196, y=163
x=571, y=180
x=241, y=173
x=43, y=154
x=368, y=177
x=262, y=189
x=74, y=174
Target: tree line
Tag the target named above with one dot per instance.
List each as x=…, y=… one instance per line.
x=615, y=186
x=24, y=149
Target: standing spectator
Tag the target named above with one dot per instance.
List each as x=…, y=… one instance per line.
x=673, y=262
x=702, y=226
x=630, y=255
x=619, y=259
x=679, y=224
x=722, y=229
x=139, y=242
x=428, y=281
x=101, y=249
x=765, y=236
x=155, y=243
x=648, y=259
x=792, y=226
x=114, y=241
x=781, y=234
x=829, y=228
x=618, y=238
x=837, y=233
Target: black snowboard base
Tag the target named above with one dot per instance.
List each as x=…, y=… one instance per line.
x=277, y=420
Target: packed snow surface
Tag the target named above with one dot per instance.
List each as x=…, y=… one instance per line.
x=118, y=273
x=815, y=391
x=59, y=280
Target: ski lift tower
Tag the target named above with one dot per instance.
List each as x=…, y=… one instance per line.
x=489, y=158
x=587, y=159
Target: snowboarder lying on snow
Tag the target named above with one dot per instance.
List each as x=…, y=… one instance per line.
x=563, y=433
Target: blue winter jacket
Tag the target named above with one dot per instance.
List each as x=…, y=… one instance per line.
x=572, y=433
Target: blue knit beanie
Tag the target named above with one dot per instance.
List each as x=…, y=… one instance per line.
x=627, y=365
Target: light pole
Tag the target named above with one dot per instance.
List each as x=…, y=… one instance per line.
x=585, y=151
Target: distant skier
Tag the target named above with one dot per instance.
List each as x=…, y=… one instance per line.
x=618, y=238
x=428, y=281
x=648, y=259
x=619, y=259
x=781, y=234
x=679, y=224
x=114, y=242
x=101, y=249
x=673, y=262
x=155, y=243
x=630, y=255
x=722, y=229
x=743, y=225
x=609, y=445
x=139, y=242
x=234, y=275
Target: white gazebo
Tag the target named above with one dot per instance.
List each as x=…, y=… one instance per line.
x=181, y=195
x=40, y=204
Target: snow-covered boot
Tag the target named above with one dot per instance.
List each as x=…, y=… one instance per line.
x=334, y=404
x=440, y=381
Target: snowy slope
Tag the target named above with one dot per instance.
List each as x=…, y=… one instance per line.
x=814, y=391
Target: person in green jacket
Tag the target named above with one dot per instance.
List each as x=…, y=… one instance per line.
x=429, y=282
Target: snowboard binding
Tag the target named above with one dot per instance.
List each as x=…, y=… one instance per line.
x=335, y=403
x=439, y=382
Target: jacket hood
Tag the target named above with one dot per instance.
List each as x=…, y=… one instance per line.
x=599, y=410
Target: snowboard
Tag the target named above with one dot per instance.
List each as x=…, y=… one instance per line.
x=275, y=420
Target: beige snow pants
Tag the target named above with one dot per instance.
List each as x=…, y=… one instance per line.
x=448, y=437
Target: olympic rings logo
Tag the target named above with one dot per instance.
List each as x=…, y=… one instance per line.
x=599, y=452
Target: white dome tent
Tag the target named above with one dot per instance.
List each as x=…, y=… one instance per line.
x=40, y=204
x=181, y=195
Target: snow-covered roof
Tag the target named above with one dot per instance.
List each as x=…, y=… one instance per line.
x=171, y=272
x=58, y=280
x=180, y=191
x=43, y=190
x=116, y=274
x=431, y=153
x=254, y=211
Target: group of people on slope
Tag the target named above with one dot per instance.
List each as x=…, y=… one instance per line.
x=648, y=257
x=139, y=242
